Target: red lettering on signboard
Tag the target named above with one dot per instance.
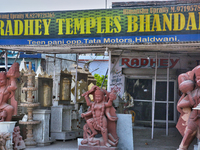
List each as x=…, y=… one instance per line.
x=125, y=61
x=143, y=62
x=134, y=61
x=163, y=62
x=173, y=62
x=152, y=62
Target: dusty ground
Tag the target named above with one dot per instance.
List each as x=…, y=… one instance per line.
x=142, y=140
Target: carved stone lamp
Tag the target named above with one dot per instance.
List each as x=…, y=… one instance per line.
x=29, y=104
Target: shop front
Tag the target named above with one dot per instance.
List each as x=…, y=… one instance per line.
x=134, y=75
x=148, y=46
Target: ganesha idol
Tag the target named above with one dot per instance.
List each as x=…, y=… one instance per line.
x=100, y=127
x=7, y=91
x=189, y=120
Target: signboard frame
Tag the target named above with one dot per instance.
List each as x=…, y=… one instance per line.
x=138, y=25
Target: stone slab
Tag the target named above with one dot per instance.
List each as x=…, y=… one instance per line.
x=87, y=147
x=124, y=132
x=41, y=131
x=65, y=135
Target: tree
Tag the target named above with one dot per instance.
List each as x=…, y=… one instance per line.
x=100, y=79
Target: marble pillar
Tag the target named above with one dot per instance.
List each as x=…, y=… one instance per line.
x=41, y=131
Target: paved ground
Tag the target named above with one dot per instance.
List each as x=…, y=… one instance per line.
x=142, y=140
x=59, y=145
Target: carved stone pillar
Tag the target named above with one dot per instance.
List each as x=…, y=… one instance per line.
x=29, y=104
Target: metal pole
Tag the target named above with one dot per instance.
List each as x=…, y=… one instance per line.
x=47, y=64
x=6, y=61
x=154, y=97
x=76, y=78
x=104, y=78
x=106, y=4
x=60, y=64
x=16, y=57
x=55, y=84
x=167, y=105
x=109, y=72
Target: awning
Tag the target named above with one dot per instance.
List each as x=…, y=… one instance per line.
x=115, y=48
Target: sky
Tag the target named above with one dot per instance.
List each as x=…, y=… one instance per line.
x=54, y=5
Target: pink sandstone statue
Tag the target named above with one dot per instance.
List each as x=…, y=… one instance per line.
x=100, y=119
x=17, y=139
x=189, y=120
x=7, y=91
x=4, y=137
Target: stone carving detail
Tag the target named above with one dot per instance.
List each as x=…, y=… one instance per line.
x=100, y=119
x=3, y=138
x=188, y=123
x=7, y=91
x=17, y=139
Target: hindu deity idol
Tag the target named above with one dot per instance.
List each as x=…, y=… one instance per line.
x=189, y=120
x=7, y=91
x=100, y=119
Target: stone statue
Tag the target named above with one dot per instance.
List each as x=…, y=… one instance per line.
x=189, y=120
x=17, y=139
x=4, y=137
x=128, y=101
x=7, y=91
x=100, y=119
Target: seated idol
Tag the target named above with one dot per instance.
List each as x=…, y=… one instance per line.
x=7, y=91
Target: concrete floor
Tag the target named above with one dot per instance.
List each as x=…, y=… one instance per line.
x=59, y=145
x=142, y=140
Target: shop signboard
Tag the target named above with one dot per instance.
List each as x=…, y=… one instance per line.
x=153, y=24
x=117, y=78
x=147, y=62
x=30, y=55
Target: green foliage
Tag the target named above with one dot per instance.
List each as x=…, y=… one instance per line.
x=100, y=80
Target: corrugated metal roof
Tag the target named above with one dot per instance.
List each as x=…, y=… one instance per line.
x=192, y=47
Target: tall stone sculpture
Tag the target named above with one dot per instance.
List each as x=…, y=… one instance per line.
x=29, y=104
x=100, y=119
x=189, y=120
x=7, y=91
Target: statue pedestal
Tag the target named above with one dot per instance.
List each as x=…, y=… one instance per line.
x=124, y=132
x=8, y=127
x=61, y=122
x=87, y=147
x=41, y=131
